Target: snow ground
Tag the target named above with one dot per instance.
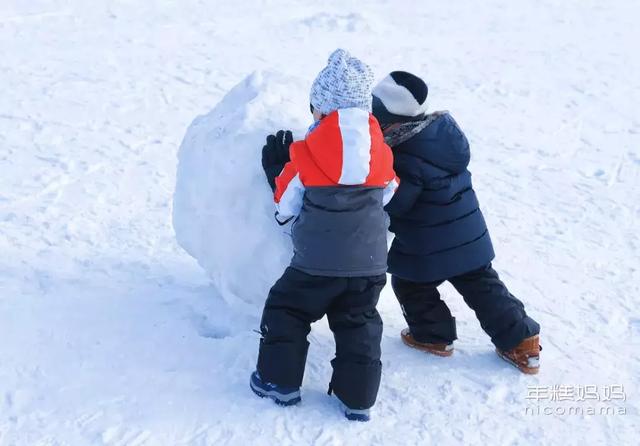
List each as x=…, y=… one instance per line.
x=109, y=333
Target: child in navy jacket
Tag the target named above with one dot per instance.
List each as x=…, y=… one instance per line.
x=440, y=232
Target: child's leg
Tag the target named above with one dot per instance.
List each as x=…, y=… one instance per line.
x=501, y=315
x=357, y=328
x=296, y=300
x=427, y=315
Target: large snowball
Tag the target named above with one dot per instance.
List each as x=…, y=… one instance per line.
x=223, y=211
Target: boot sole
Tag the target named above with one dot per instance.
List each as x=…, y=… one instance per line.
x=524, y=369
x=425, y=349
x=277, y=398
x=357, y=417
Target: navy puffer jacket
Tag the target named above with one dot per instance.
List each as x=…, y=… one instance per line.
x=439, y=229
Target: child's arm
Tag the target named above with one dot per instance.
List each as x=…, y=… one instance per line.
x=390, y=190
x=288, y=194
x=409, y=189
x=404, y=199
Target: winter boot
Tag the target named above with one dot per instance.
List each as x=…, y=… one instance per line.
x=357, y=414
x=353, y=414
x=283, y=396
x=436, y=349
x=526, y=356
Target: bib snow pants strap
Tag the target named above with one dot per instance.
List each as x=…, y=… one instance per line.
x=299, y=299
x=502, y=316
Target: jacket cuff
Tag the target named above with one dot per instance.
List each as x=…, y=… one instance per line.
x=282, y=221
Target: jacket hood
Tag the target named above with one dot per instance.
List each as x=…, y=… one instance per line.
x=440, y=143
x=348, y=147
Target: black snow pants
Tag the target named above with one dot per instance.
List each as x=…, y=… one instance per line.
x=298, y=299
x=501, y=315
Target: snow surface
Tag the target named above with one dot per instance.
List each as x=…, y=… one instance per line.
x=110, y=334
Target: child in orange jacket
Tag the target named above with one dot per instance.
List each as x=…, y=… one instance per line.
x=334, y=188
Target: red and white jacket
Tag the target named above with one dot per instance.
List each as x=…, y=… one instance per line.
x=336, y=185
x=347, y=148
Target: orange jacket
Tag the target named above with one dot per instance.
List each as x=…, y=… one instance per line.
x=336, y=186
x=346, y=149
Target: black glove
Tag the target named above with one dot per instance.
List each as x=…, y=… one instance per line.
x=275, y=154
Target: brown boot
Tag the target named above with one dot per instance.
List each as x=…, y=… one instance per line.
x=526, y=356
x=436, y=349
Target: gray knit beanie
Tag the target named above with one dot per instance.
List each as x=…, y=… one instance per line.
x=344, y=83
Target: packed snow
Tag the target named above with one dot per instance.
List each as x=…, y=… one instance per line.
x=223, y=211
x=112, y=334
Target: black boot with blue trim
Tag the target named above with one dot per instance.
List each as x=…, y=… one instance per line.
x=284, y=396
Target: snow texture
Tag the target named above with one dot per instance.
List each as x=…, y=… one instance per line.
x=111, y=334
x=223, y=211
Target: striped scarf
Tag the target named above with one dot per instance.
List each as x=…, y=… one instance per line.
x=408, y=130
